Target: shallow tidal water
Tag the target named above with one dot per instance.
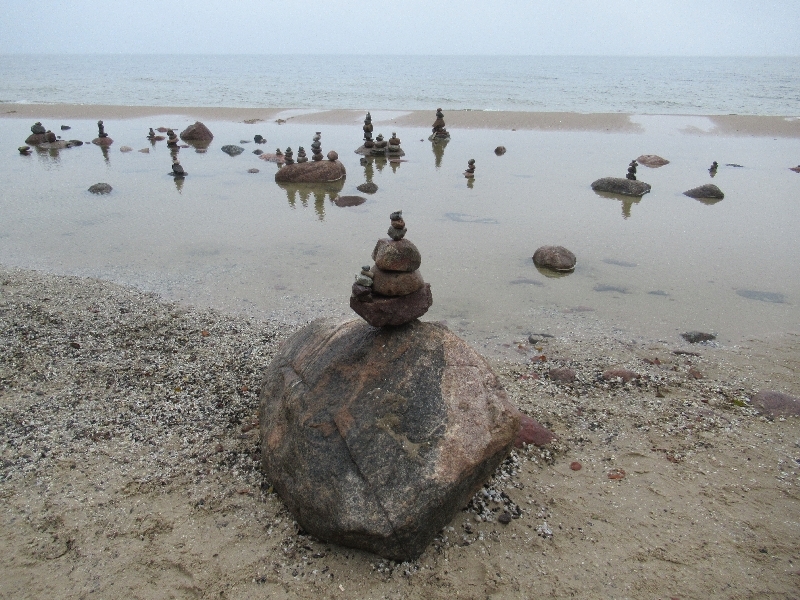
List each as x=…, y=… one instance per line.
x=648, y=268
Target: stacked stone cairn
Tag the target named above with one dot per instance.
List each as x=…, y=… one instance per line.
x=439, y=132
x=392, y=291
x=287, y=157
x=368, y=143
x=172, y=139
x=713, y=169
x=379, y=149
x=301, y=155
x=393, y=150
x=40, y=135
x=316, y=148
x=102, y=138
x=470, y=172
x=632, y=170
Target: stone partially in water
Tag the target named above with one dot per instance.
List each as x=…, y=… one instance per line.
x=619, y=185
x=368, y=188
x=101, y=188
x=556, y=258
x=323, y=171
x=377, y=438
x=652, y=160
x=345, y=201
x=695, y=337
x=708, y=190
x=197, y=132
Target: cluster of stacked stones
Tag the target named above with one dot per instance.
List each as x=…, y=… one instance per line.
x=470, y=172
x=379, y=147
x=392, y=292
x=46, y=139
x=439, y=132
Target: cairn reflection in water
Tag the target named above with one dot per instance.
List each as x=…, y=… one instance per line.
x=315, y=192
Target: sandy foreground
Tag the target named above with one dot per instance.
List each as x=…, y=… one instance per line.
x=736, y=125
x=129, y=467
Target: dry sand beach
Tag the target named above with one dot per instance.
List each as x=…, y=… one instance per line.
x=129, y=463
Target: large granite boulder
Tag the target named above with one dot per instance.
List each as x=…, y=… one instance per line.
x=197, y=133
x=376, y=438
x=620, y=185
x=703, y=192
x=311, y=172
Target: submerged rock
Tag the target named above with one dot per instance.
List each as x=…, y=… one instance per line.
x=376, y=438
x=232, y=150
x=101, y=188
x=311, y=172
x=368, y=188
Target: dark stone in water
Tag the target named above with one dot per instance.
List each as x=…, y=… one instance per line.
x=345, y=201
x=100, y=188
x=774, y=297
x=658, y=293
x=708, y=190
x=735, y=165
x=618, y=185
x=232, y=150
x=695, y=337
x=557, y=258
x=609, y=288
x=65, y=127
x=368, y=188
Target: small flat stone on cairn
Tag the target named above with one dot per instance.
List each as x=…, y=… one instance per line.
x=652, y=160
x=439, y=133
x=556, y=258
x=38, y=135
x=197, y=132
x=707, y=191
x=396, y=293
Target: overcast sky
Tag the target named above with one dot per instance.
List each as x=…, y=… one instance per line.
x=560, y=27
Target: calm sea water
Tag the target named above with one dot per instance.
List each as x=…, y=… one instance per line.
x=642, y=85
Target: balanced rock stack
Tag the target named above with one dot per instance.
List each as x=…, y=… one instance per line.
x=102, y=138
x=392, y=292
x=470, y=172
x=40, y=135
x=379, y=149
x=316, y=148
x=301, y=155
x=172, y=139
x=712, y=170
x=287, y=157
x=439, y=132
x=393, y=150
x=632, y=170
x=368, y=143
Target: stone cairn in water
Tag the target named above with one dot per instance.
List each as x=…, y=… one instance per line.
x=368, y=143
x=392, y=292
x=316, y=148
x=470, y=172
x=172, y=139
x=393, y=150
x=713, y=169
x=301, y=155
x=102, y=138
x=379, y=149
x=287, y=157
x=439, y=132
x=632, y=170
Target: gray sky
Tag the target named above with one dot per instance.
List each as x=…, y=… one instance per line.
x=594, y=27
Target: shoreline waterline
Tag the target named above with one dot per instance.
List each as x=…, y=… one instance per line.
x=726, y=125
